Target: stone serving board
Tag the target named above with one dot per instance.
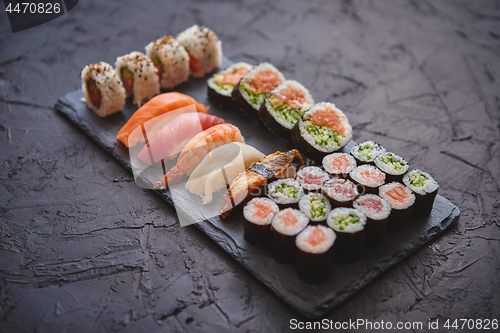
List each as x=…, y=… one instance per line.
x=312, y=301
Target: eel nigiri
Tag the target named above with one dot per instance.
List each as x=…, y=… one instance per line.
x=220, y=167
x=169, y=141
x=155, y=107
x=268, y=169
x=196, y=149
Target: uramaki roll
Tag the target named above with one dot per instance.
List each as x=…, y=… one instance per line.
x=340, y=191
x=316, y=207
x=425, y=189
x=401, y=199
x=377, y=211
x=368, y=177
x=348, y=225
x=221, y=85
x=315, y=253
x=258, y=214
x=285, y=192
x=366, y=152
x=339, y=164
x=311, y=178
x=286, y=224
x=393, y=165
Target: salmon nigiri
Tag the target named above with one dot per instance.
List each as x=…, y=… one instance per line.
x=196, y=149
x=156, y=106
x=170, y=140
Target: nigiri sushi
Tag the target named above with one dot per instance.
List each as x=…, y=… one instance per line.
x=220, y=167
x=158, y=105
x=268, y=169
x=169, y=141
x=197, y=148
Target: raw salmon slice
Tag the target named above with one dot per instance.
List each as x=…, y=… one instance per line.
x=288, y=219
x=398, y=194
x=234, y=77
x=372, y=204
x=328, y=118
x=293, y=97
x=316, y=237
x=265, y=81
x=372, y=175
x=263, y=210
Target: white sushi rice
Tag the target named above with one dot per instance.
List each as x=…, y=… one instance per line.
x=340, y=190
x=357, y=175
x=174, y=60
x=286, y=229
x=306, y=205
x=250, y=209
x=344, y=213
x=279, y=196
x=304, y=243
x=203, y=45
x=331, y=145
x=300, y=106
x=314, y=172
x=383, y=193
x=370, y=212
x=110, y=86
x=146, y=83
x=230, y=69
x=246, y=79
x=332, y=169
x=391, y=168
x=367, y=151
x=429, y=184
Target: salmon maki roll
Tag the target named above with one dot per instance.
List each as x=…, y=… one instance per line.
x=368, y=177
x=393, y=165
x=284, y=106
x=204, y=48
x=258, y=214
x=339, y=164
x=102, y=88
x=425, y=189
x=366, y=152
x=322, y=130
x=341, y=192
x=171, y=61
x=401, y=200
x=221, y=85
x=349, y=226
x=377, y=211
x=139, y=76
x=285, y=226
x=253, y=88
x=311, y=178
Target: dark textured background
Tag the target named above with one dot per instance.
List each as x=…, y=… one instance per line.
x=84, y=249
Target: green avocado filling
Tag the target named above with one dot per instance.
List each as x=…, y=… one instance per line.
x=156, y=61
x=255, y=98
x=418, y=179
x=287, y=190
x=318, y=207
x=286, y=112
x=390, y=159
x=342, y=221
x=127, y=72
x=367, y=151
x=323, y=136
x=218, y=78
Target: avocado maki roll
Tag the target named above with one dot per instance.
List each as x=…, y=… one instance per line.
x=258, y=214
x=340, y=191
x=315, y=253
x=322, y=130
x=253, y=88
x=285, y=192
x=311, y=178
x=377, y=211
x=285, y=226
x=365, y=152
x=349, y=226
x=316, y=206
x=284, y=106
x=425, y=189
x=339, y=164
x=221, y=84
x=393, y=165
x=401, y=200
x=368, y=177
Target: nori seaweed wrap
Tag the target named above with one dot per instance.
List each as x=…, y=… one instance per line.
x=377, y=211
x=286, y=224
x=425, y=189
x=348, y=225
x=221, y=85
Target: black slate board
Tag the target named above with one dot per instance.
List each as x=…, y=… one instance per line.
x=310, y=300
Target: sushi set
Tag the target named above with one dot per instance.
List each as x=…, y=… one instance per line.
x=304, y=204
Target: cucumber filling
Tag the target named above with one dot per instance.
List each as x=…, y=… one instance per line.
x=323, y=136
x=367, y=151
x=287, y=190
x=342, y=221
x=391, y=160
x=418, y=179
x=256, y=98
x=318, y=207
x=286, y=112
x=218, y=78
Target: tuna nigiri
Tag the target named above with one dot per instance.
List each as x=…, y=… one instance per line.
x=196, y=149
x=170, y=140
x=157, y=106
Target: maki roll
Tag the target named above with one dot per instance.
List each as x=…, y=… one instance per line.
x=253, y=88
x=365, y=152
x=349, y=226
x=315, y=253
x=170, y=59
x=258, y=214
x=425, y=189
x=369, y=177
x=221, y=85
x=401, y=200
x=284, y=106
x=311, y=178
x=339, y=164
x=393, y=165
x=285, y=192
x=286, y=224
x=322, y=130
x=139, y=76
x=316, y=206
x=377, y=211
x=102, y=88
x=204, y=48
x=341, y=192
